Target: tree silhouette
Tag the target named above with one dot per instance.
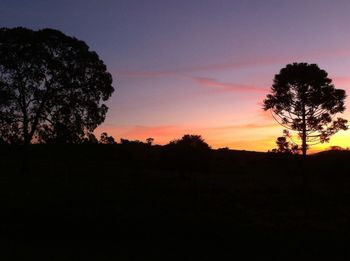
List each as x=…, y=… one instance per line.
x=189, y=152
x=91, y=139
x=150, y=141
x=51, y=87
x=190, y=141
x=336, y=148
x=303, y=99
x=106, y=139
x=284, y=146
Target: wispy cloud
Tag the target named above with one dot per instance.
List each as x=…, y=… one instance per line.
x=203, y=81
x=246, y=63
x=239, y=64
x=263, y=61
x=144, y=74
x=244, y=126
x=210, y=82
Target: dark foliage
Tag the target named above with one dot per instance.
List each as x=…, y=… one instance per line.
x=51, y=87
x=284, y=146
x=149, y=141
x=90, y=139
x=83, y=195
x=303, y=99
x=189, y=152
x=106, y=139
x=190, y=142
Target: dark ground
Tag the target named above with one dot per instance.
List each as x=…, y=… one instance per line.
x=115, y=202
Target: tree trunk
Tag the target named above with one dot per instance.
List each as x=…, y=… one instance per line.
x=25, y=145
x=303, y=137
x=25, y=127
x=304, y=145
x=303, y=169
x=27, y=138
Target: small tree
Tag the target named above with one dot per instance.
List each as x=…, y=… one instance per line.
x=52, y=87
x=106, y=139
x=149, y=141
x=303, y=99
x=284, y=146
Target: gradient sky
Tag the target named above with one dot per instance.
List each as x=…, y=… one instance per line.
x=198, y=66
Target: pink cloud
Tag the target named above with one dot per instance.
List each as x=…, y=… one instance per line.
x=144, y=74
x=256, y=61
x=262, y=61
x=244, y=126
x=246, y=63
x=209, y=82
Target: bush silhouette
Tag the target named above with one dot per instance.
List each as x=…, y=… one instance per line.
x=190, y=152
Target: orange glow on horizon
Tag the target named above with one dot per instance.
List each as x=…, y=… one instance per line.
x=239, y=125
x=237, y=137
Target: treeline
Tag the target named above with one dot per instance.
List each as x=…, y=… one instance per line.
x=177, y=156
x=190, y=153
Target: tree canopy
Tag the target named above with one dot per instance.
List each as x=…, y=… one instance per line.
x=52, y=87
x=303, y=99
x=189, y=152
x=190, y=141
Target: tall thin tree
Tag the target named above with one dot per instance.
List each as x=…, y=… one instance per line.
x=303, y=99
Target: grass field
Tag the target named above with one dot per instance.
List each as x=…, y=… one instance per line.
x=80, y=200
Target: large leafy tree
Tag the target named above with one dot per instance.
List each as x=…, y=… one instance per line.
x=52, y=87
x=303, y=99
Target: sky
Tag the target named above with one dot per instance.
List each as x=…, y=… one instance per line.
x=199, y=66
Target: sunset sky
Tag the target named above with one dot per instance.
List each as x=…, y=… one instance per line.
x=198, y=66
